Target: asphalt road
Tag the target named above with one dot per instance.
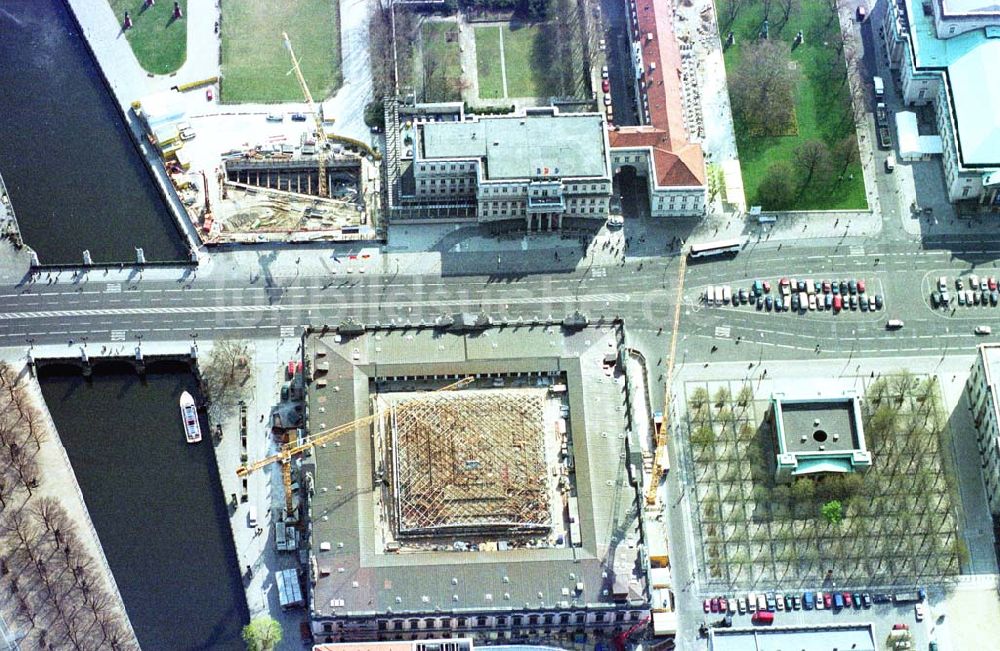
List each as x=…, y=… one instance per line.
x=641, y=292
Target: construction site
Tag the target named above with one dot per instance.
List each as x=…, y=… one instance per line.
x=499, y=461
x=474, y=463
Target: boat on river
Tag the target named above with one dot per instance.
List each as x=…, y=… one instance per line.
x=189, y=414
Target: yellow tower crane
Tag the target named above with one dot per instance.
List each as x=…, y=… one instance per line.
x=285, y=454
x=660, y=460
x=320, y=132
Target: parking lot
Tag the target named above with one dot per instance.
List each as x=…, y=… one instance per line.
x=883, y=615
x=798, y=295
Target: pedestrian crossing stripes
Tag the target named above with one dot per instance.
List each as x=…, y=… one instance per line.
x=117, y=335
x=287, y=331
x=114, y=288
x=600, y=272
x=857, y=249
x=721, y=331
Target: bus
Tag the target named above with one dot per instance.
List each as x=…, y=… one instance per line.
x=719, y=247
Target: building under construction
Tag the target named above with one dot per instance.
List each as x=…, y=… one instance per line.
x=468, y=463
x=503, y=508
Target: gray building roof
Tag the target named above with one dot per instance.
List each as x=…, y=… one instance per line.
x=523, y=147
x=358, y=577
x=857, y=637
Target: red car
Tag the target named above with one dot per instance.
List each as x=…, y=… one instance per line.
x=605, y=86
x=707, y=605
x=723, y=605
x=847, y=600
x=861, y=287
x=715, y=605
x=828, y=600
x=767, y=287
x=826, y=287
x=838, y=303
x=992, y=282
x=900, y=627
x=209, y=95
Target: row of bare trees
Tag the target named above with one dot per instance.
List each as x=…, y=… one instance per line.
x=51, y=589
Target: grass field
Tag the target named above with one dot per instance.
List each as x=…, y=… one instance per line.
x=441, y=62
x=526, y=52
x=159, y=42
x=255, y=62
x=488, y=66
x=822, y=104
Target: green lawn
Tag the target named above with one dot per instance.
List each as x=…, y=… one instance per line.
x=525, y=52
x=255, y=62
x=822, y=104
x=488, y=63
x=441, y=62
x=159, y=42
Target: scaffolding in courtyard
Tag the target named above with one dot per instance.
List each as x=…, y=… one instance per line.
x=469, y=462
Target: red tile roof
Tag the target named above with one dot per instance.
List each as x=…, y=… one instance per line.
x=677, y=160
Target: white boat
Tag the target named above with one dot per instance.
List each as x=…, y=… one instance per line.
x=189, y=414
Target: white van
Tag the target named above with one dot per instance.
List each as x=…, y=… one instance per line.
x=727, y=294
x=879, y=87
x=252, y=517
x=894, y=324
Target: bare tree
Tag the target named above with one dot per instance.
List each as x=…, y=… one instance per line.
x=845, y=153
x=762, y=89
x=786, y=7
x=226, y=374
x=813, y=160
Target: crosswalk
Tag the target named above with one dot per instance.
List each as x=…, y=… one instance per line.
x=599, y=272
x=117, y=335
x=722, y=331
x=287, y=331
x=857, y=249
x=113, y=288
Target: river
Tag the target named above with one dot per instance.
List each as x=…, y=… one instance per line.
x=156, y=501
x=75, y=177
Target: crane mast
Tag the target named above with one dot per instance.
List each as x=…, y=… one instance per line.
x=320, y=132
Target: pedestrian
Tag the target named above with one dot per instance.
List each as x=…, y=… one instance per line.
x=249, y=571
x=127, y=23
x=178, y=14
x=873, y=374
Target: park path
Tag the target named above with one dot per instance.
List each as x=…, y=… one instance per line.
x=503, y=62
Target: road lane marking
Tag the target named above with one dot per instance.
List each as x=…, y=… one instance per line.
x=113, y=288
x=117, y=335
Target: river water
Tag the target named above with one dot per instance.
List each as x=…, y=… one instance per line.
x=156, y=502
x=75, y=177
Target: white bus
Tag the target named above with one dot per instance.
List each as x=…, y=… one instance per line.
x=719, y=247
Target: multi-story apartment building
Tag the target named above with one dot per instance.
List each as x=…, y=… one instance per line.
x=983, y=397
x=539, y=167
x=946, y=53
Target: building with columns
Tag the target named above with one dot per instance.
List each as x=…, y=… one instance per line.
x=945, y=54
x=536, y=168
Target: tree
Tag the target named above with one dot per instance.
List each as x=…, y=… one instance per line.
x=813, y=160
x=762, y=87
x=226, y=373
x=777, y=190
x=787, y=7
x=803, y=489
x=703, y=437
x=833, y=511
x=262, y=634
x=845, y=153
x=375, y=114
x=732, y=10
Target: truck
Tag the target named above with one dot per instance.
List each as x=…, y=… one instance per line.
x=911, y=597
x=882, y=126
x=879, y=87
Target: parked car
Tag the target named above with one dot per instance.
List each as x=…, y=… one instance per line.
x=854, y=301
x=942, y=283
x=741, y=605
x=795, y=302
x=994, y=297
x=604, y=72
x=881, y=598
x=762, y=617
x=808, y=600
x=828, y=301
x=984, y=283
x=843, y=286
x=606, y=86
x=715, y=604
x=894, y=324
x=812, y=301
x=900, y=627
x=780, y=305
x=863, y=304
x=758, y=287
x=835, y=287
x=838, y=303
x=861, y=287
x=826, y=287
x=827, y=600
x=770, y=601
x=820, y=601
x=761, y=602
x=866, y=599
x=797, y=602
x=767, y=287
x=707, y=605
x=752, y=602
x=275, y=117
x=779, y=603
x=723, y=604
x=959, y=284
x=848, y=601
x=878, y=301
x=856, y=600
x=919, y=610
x=789, y=603
x=298, y=117
x=743, y=297
x=961, y=298
x=935, y=299
x=983, y=330
x=838, y=600
x=769, y=303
